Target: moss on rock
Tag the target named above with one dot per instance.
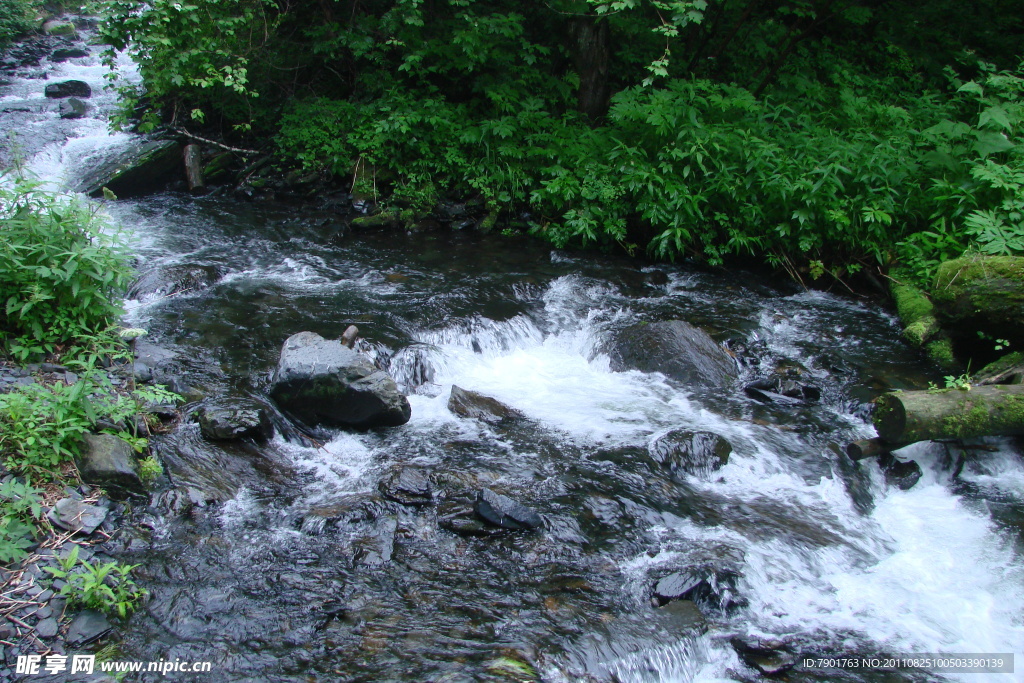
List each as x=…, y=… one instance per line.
x=982, y=294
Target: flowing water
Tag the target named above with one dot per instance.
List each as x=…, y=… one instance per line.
x=283, y=562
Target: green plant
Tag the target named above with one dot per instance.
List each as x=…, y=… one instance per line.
x=105, y=587
x=62, y=269
x=41, y=426
x=963, y=382
x=15, y=18
x=20, y=506
x=150, y=469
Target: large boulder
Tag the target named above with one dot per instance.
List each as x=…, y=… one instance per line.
x=697, y=453
x=676, y=349
x=109, y=462
x=68, y=89
x=140, y=169
x=320, y=381
x=982, y=294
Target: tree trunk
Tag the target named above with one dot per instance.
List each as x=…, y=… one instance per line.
x=909, y=416
x=194, y=167
x=590, y=52
x=867, y=448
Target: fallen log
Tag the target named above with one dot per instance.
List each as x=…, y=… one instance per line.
x=908, y=416
x=867, y=448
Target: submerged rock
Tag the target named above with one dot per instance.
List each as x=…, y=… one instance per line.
x=685, y=616
x=502, y=511
x=783, y=391
x=711, y=585
x=140, y=169
x=72, y=108
x=320, y=381
x=235, y=419
x=674, y=348
x=68, y=89
x=770, y=657
x=697, y=453
x=164, y=281
x=473, y=405
x=902, y=475
x=408, y=486
x=109, y=462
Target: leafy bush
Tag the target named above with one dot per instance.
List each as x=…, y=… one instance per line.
x=15, y=18
x=41, y=426
x=20, y=506
x=62, y=270
x=104, y=587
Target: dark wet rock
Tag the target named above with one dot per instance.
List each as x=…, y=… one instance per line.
x=697, y=453
x=235, y=419
x=473, y=405
x=64, y=54
x=502, y=511
x=468, y=525
x=68, y=89
x=72, y=108
x=674, y=348
x=320, y=381
x=47, y=628
x=141, y=169
x=74, y=515
x=769, y=657
x=710, y=585
x=165, y=281
x=685, y=616
x=88, y=626
x=903, y=475
x=109, y=462
x=408, y=486
x=783, y=391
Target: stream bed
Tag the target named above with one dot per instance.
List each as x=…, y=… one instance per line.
x=286, y=561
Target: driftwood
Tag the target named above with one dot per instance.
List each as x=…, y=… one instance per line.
x=866, y=448
x=908, y=416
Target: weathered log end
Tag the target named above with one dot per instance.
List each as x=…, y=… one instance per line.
x=194, y=167
x=867, y=448
x=910, y=416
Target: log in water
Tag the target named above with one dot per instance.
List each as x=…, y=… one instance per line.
x=909, y=416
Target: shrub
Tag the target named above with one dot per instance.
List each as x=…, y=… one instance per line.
x=62, y=269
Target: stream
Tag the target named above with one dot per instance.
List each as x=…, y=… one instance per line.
x=284, y=562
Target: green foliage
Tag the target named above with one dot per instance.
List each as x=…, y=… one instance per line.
x=15, y=18
x=62, y=270
x=104, y=587
x=20, y=506
x=41, y=426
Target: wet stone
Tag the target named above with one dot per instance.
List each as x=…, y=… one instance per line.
x=504, y=512
x=768, y=657
x=235, y=419
x=65, y=54
x=685, y=616
x=109, y=462
x=74, y=515
x=697, y=453
x=88, y=626
x=902, y=475
x=473, y=405
x=408, y=486
x=72, y=108
x=68, y=89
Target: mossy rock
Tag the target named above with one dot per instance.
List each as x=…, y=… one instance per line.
x=982, y=294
